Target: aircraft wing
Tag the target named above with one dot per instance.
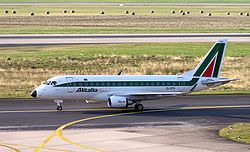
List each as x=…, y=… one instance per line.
x=148, y=95
x=218, y=82
x=154, y=93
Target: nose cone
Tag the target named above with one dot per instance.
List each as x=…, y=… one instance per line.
x=33, y=94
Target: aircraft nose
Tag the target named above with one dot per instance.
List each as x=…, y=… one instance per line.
x=33, y=94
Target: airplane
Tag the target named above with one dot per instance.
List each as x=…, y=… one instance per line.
x=122, y=91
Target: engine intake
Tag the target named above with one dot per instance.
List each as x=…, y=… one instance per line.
x=117, y=102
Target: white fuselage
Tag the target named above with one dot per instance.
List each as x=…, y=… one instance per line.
x=101, y=87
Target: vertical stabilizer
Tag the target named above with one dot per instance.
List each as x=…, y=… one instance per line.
x=210, y=65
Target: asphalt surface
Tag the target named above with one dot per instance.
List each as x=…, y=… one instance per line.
x=185, y=123
x=64, y=39
x=25, y=113
x=126, y=3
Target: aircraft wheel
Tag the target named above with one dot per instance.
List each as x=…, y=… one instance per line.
x=138, y=107
x=59, y=108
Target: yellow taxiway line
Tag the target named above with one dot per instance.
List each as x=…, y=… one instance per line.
x=9, y=147
x=214, y=107
x=58, y=131
x=116, y=109
x=32, y=147
x=45, y=141
x=72, y=110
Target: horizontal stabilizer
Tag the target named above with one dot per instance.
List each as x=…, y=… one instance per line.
x=219, y=81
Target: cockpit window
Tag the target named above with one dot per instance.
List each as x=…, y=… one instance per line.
x=50, y=83
x=47, y=83
x=53, y=83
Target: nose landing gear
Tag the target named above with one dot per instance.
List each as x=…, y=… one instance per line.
x=59, y=108
x=59, y=104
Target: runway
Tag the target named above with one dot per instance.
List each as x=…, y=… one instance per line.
x=126, y=3
x=66, y=39
x=187, y=123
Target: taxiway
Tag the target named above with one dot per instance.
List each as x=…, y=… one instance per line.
x=187, y=123
x=73, y=39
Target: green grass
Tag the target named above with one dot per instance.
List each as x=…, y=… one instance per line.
x=87, y=19
x=73, y=56
x=150, y=49
x=23, y=68
x=24, y=10
x=108, y=30
x=175, y=1
x=239, y=132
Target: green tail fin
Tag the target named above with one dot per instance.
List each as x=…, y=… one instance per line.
x=211, y=64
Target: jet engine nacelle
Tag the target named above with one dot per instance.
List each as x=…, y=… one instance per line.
x=117, y=102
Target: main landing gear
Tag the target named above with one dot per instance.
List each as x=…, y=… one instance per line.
x=138, y=107
x=59, y=104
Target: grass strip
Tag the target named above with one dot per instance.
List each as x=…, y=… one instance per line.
x=88, y=51
x=239, y=132
x=23, y=68
x=165, y=1
x=108, y=30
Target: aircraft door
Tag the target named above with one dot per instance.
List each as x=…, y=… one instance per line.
x=181, y=84
x=70, y=87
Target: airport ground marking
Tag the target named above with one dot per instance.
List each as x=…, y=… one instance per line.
x=109, y=109
x=9, y=147
x=41, y=145
x=54, y=133
x=58, y=131
x=31, y=147
x=72, y=110
x=214, y=107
